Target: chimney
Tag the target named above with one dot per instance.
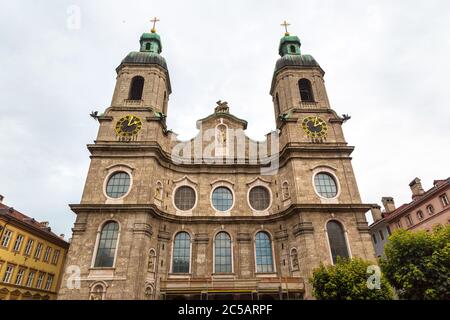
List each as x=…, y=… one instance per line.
x=376, y=213
x=45, y=224
x=388, y=204
x=416, y=188
x=1, y=198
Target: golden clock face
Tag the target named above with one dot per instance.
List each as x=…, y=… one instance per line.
x=128, y=126
x=315, y=127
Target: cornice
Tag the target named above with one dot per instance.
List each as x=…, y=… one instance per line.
x=156, y=212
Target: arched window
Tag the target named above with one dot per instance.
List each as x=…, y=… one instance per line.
x=336, y=238
x=292, y=48
x=181, y=253
x=222, y=253
x=147, y=46
x=430, y=209
x=294, y=259
x=136, y=88
x=285, y=189
x=306, y=93
x=107, y=245
x=263, y=248
x=419, y=215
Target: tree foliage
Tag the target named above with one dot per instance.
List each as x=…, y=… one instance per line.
x=417, y=264
x=348, y=280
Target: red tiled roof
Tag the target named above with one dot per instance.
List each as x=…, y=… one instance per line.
x=11, y=212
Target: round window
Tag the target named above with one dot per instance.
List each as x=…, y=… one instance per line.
x=222, y=199
x=118, y=185
x=185, y=198
x=325, y=185
x=259, y=198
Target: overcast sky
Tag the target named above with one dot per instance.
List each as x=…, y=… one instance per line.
x=386, y=63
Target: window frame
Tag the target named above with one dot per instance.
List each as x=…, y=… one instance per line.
x=345, y=233
x=8, y=275
x=311, y=91
x=269, y=191
x=19, y=275
x=173, y=253
x=274, y=266
x=231, y=253
x=174, y=195
x=444, y=200
x=22, y=237
x=29, y=247
x=30, y=279
x=226, y=186
x=7, y=234
x=38, y=251
x=97, y=243
x=333, y=177
x=130, y=90
x=109, y=177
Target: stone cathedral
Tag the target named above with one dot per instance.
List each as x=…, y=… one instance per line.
x=220, y=216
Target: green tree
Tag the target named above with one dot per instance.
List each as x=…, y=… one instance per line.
x=348, y=280
x=417, y=264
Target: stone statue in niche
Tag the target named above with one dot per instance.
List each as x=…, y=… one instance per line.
x=97, y=293
x=159, y=191
x=148, y=292
x=222, y=135
x=151, y=262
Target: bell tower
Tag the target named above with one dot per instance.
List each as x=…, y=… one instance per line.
x=297, y=80
x=143, y=77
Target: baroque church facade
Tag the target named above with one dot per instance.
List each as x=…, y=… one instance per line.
x=219, y=216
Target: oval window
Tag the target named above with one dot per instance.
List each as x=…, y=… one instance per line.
x=222, y=199
x=118, y=185
x=325, y=185
x=259, y=198
x=185, y=198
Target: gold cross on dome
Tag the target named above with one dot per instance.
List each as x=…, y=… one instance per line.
x=285, y=24
x=154, y=20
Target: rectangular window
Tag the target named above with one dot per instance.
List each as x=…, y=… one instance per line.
x=29, y=246
x=47, y=254
x=48, y=283
x=388, y=230
x=409, y=220
x=374, y=238
x=6, y=237
x=40, y=279
x=8, y=274
x=399, y=224
x=381, y=234
x=19, y=276
x=37, y=253
x=18, y=243
x=444, y=200
x=30, y=278
x=55, y=257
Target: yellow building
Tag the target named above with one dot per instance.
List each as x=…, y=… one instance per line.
x=31, y=257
